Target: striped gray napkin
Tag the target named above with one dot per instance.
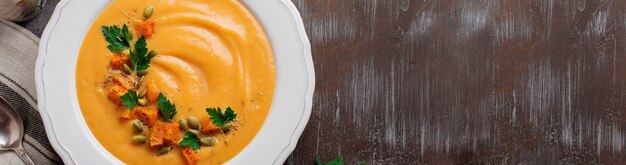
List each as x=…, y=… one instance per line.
x=18, y=53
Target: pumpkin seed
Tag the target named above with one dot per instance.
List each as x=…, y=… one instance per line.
x=227, y=127
x=142, y=72
x=209, y=141
x=138, y=126
x=152, y=53
x=193, y=122
x=142, y=92
x=139, y=81
x=163, y=150
x=139, y=139
x=142, y=102
x=148, y=11
x=126, y=51
x=183, y=124
x=126, y=69
x=193, y=131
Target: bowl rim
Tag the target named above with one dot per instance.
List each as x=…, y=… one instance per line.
x=64, y=153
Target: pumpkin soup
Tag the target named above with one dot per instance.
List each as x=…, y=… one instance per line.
x=175, y=81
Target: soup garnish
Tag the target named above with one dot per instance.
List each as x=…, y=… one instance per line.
x=150, y=108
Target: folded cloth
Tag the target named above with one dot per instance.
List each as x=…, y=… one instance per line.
x=18, y=53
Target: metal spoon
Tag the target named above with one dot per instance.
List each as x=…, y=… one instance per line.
x=12, y=131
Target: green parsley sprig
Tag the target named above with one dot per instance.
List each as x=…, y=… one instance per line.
x=119, y=39
x=129, y=99
x=337, y=161
x=218, y=118
x=190, y=140
x=167, y=108
x=140, y=58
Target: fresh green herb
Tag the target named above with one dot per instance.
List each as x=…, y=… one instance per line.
x=119, y=39
x=129, y=99
x=139, y=57
x=127, y=35
x=338, y=161
x=190, y=140
x=167, y=108
x=218, y=118
x=318, y=161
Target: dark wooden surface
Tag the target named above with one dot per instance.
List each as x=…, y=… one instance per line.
x=465, y=82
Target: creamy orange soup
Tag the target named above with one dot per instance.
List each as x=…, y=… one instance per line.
x=212, y=53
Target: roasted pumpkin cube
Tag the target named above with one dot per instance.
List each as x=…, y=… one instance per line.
x=149, y=115
x=145, y=28
x=117, y=60
x=157, y=133
x=115, y=93
x=191, y=157
x=208, y=127
x=172, y=133
x=127, y=113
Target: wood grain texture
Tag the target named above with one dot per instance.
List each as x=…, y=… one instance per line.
x=466, y=82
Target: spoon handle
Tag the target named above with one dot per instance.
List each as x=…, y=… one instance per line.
x=22, y=154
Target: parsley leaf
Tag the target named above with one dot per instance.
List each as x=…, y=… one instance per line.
x=140, y=58
x=318, y=161
x=119, y=39
x=126, y=34
x=190, y=140
x=338, y=161
x=230, y=114
x=167, y=108
x=218, y=118
x=129, y=99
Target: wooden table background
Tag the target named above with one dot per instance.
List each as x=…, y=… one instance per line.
x=464, y=82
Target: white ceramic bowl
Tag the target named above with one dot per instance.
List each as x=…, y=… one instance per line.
x=73, y=141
